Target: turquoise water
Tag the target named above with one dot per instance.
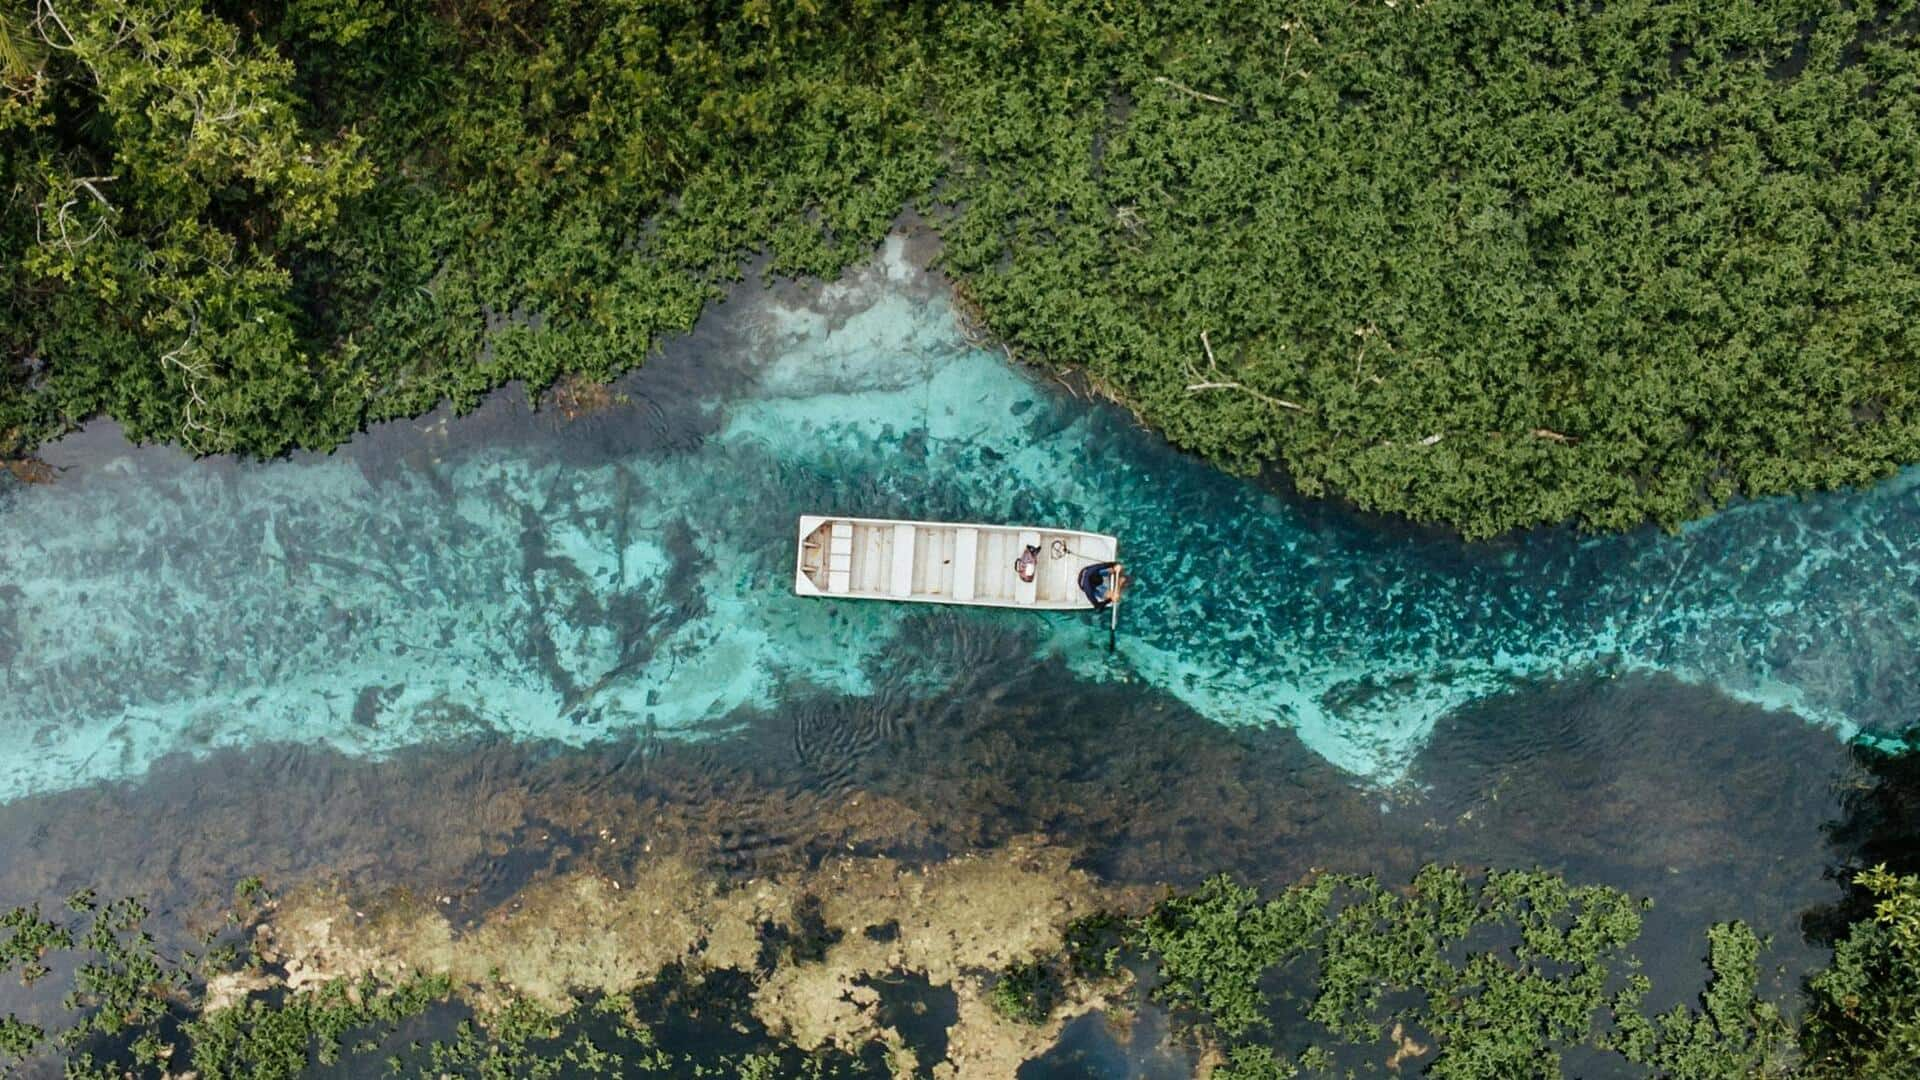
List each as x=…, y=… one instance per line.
x=524, y=575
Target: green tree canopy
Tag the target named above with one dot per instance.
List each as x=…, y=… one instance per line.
x=157, y=170
x=1491, y=265
x=1865, y=1015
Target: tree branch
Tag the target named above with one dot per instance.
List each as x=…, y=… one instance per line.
x=1185, y=89
x=1212, y=381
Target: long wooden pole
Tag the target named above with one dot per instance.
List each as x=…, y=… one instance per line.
x=1113, y=609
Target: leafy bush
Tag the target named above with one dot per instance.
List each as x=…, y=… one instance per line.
x=1024, y=993
x=1865, y=1013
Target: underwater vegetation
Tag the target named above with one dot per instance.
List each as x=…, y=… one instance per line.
x=523, y=574
x=508, y=855
x=669, y=972
x=221, y=1014
x=1488, y=265
x=1508, y=974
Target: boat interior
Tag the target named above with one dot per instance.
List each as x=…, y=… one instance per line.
x=946, y=562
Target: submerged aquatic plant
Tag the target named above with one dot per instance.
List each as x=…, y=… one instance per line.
x=1494, y=976
x=1024, y=992
x=29, y=940
x=1733, y=1036
x=136, y=1013
x=1465, y=976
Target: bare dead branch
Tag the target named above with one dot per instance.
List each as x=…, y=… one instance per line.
x=1190, y=91
x=195, y=373
x=1212, y=381
x=88, y=182
x=48, y=13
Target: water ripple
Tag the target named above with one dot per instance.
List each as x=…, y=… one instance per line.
x=515, y=574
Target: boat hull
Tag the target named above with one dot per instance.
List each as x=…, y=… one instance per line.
x=933, y=562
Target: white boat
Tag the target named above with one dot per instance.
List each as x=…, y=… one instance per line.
x=946, y=563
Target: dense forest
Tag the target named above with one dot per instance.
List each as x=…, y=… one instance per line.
x=1486, y=264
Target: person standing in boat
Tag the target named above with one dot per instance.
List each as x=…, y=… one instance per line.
x=1102, y=583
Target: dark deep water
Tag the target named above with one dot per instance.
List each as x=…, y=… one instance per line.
x=449, y=654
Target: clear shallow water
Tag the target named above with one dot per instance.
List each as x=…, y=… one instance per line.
x=629, y=571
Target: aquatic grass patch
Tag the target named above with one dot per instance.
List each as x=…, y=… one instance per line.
x=132, y=1012
x=1023, y=993
x=1381, y=934
x=1501, y=974
x=671, y=968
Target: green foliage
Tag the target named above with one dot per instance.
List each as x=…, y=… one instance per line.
x=19, y=1039
x=1896, y=906
x=1216, y=944
x=1736, y=1036
x=135, y=1013
x=1511, y=262
x=1499, y=975
x=1864, y=1018
x=505, y=1048
x=249, y=890
x=1485, y=264
x=1464, y=977
x=1093, y=944
x=1024, y=993
x=270, y=1040
x=1250, y=1062
x=159, y=170
x=131, y=1009
x=121, y=985
x=30, y=938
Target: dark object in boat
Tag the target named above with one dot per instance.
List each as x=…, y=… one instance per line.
x=1028, y=560
x=1102, y=583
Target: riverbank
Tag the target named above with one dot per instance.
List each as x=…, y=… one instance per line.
x=1716, y=812
x=1557, y=280
x=875, y=911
